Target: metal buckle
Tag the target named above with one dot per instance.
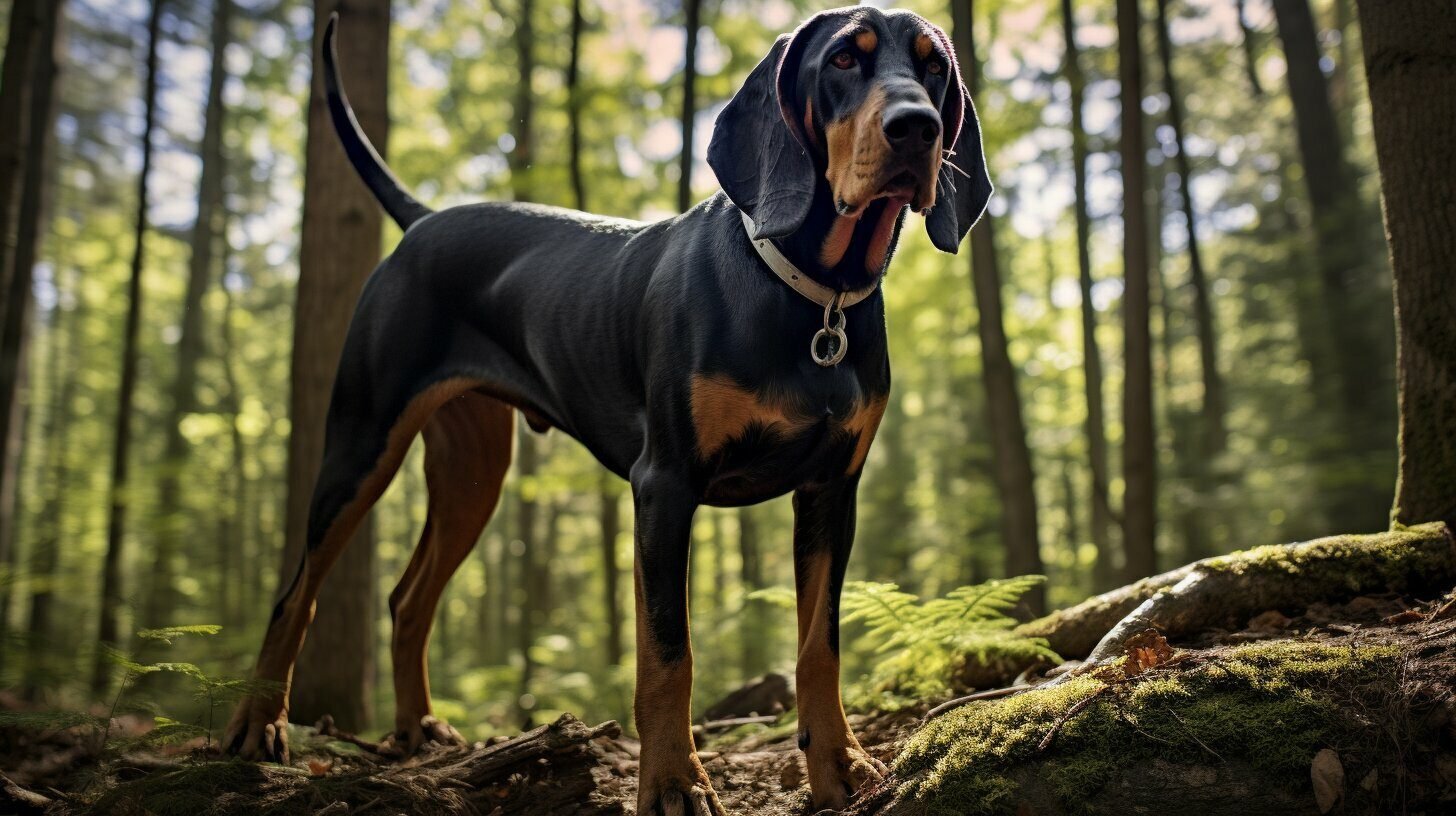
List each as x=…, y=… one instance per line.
x=832, y=338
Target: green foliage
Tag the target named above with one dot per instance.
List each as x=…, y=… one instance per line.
x=917, y=650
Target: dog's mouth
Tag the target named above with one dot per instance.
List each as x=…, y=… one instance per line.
x=902, y=186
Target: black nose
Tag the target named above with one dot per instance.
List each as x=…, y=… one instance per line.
x=911, y=127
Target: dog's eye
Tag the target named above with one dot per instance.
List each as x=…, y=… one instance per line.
x=842, y=60
x=934, y=66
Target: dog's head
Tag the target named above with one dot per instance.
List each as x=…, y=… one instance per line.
x=872, y=102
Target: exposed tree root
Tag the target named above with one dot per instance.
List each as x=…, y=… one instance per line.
x=1224, y=591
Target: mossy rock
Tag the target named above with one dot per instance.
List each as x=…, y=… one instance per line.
x=1234, y=733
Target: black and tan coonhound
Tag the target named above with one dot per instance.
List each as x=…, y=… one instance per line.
x=729, y=355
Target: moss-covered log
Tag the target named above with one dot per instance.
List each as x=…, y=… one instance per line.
x=1229, y=731
x=1286, y=577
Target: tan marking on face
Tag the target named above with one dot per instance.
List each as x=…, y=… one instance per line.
x=723, y=410
x=864, y=423
x=879, y=246
x=924, y=46
x=858, y=152
x=836, y=242
x=867, y=41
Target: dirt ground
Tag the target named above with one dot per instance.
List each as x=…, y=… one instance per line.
x=569, y=768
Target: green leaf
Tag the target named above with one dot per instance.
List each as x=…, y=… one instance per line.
x=168, y=634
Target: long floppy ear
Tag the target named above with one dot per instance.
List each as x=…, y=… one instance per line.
x=758, y=151
x=964, y=185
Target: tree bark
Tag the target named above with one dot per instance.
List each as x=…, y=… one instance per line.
x=1101, y=508
x=755, y=628
x=340, y=246
x=527, y=465
x=21, y=44
x=108, y=627
x=611, y=528
x=693, y=10
x=1246, y=41
x=1352, y=365
x=1139, y=455
x=1015, y=481
x=573, y=107
x=173, y=526
x=1214, y=406
x=32, y=225
x=1410, y=51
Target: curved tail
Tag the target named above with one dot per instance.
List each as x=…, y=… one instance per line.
x=401, y=206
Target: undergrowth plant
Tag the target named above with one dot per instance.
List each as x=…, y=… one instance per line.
x=212, y=691
x=913, y=650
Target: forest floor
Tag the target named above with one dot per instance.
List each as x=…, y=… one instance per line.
x=570, y=768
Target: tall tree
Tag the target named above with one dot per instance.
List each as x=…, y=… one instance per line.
x=1352, y=367
x=754, y=631
x=610, y=498
x=693, y=10
x=1096, y=423
x=1409, y=46
x=30, y=230
x=1246, y=40
x=342, y=227
x=1214, y=402
x=1015, y=481
x=108, y=628
x=573, y=107
x=173, y=526
x=1139, y=453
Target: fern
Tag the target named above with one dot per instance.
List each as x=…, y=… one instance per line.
x=915, y=649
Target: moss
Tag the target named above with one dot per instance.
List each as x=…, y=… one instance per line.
x=1393, y=559
x=1273, y=704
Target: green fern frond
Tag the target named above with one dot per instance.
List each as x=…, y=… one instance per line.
x=167, y=634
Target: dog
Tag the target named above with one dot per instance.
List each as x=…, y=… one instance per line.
x=729, y=355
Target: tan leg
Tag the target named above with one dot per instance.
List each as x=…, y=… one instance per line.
x=823, y=532
x=258, y=728
x=467, y=454
x=671, y=781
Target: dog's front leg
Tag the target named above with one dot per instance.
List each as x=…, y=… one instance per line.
x=671, y=781
x=823, y=534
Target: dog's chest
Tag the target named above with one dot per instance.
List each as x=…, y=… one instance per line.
x=758, y=443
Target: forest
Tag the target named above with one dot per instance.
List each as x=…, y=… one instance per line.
x=1210, y=310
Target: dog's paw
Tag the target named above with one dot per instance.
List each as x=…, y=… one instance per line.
x=693, y=800
x=258, y=732
x=429, y=730
x=838, y=774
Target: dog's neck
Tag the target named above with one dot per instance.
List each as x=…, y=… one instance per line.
x=861, y=259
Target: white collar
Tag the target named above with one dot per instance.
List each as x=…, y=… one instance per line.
x=797, y=280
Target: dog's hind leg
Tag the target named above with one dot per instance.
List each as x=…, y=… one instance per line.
x=467, y=453
x=361, y=456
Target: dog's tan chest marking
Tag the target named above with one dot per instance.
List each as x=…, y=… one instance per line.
x=723, y=410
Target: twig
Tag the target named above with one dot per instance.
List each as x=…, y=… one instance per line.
x=1069, y=714
x=1436, y=634
x=734, y=722
x=951, y=705
x=1186, y=727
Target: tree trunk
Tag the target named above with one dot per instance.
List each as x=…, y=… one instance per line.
x=1101, y=509
x=754, y=630
x=527, y=465
x=109, y=628
x=1015, y=481
x=693, y=10
x=1213, y=411
x=23, y=41
x=1246, y=41
x=173, y=525
x=32, y=225
x=340, y=246
x=573, y=107
x=238, y=546
x=1139, y=454
x=611, y=528
x=1353, y=365
x=1409, y=49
